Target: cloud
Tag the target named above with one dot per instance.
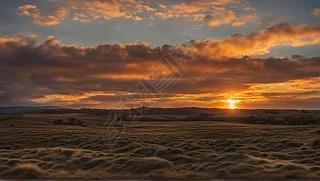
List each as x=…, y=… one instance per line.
x=33, y=12
x=110, y=9
x=81, y=17
x=225, y=18
x=52, y=73
x=148, y=8
x=85, y=11
x=162, y=6
x=316, y=12
x=238, y=23
x=238, y=45
x=270, y=20
x=212, y=13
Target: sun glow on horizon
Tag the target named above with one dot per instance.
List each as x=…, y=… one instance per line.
x=232, y=103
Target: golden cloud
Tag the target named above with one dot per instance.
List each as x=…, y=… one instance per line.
x=212, y=13
x=33, y=11
x=238, y=45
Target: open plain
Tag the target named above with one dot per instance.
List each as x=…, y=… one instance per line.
x=31, y=146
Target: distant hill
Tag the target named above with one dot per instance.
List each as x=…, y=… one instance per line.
x=26, y=109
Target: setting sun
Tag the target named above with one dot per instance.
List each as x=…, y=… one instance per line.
x=232, y=103
x=232, y=106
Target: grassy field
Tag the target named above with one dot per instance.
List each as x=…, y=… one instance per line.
x=33, y=147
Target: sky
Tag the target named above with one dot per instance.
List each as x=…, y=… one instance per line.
x=179, y=53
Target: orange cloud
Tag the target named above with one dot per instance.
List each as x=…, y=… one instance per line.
x=88, y=10
x=238, y=45
x=212, y=13
x=20, y=40
x=72, y=98
x=219, y=18
x=316, y=12
x=238, y=23
x=85, y=11
x=33, y=11
x=148, y=8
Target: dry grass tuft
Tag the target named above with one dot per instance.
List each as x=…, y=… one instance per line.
x=77, y=154
x=25, y=171
x=41, y=151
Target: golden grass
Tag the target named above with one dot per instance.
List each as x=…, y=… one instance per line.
x=24, y=170
x=77, y=154
x=147, y=150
